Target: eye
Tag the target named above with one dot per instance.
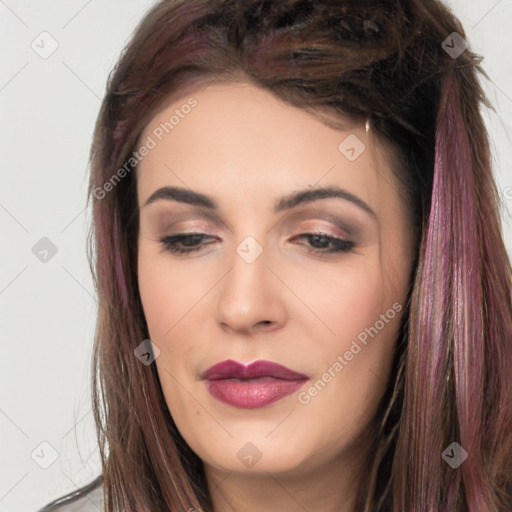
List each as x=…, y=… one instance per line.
x=319, y=243
x=326, y=244
x=190, y=242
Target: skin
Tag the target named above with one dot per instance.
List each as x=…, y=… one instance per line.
x=246, y=149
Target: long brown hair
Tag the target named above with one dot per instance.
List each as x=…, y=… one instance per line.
x=403, y=66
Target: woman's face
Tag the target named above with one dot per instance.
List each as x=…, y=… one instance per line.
x=279, y=271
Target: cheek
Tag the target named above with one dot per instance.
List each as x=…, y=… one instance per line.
x=348, y=300
x=353, y=364
x=166, y=294
x=170, y=302
x=362, y=312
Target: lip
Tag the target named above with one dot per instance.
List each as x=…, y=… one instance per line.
x=251, y=386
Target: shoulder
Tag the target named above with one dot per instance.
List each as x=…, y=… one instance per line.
x=86, y=499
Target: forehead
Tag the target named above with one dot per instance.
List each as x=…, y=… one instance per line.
x=238, y=136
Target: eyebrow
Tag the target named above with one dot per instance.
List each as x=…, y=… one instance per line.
x=297, y=198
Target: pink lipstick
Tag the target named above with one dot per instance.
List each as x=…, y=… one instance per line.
x=251, y=386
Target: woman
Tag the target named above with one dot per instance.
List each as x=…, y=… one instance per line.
x=305, y=294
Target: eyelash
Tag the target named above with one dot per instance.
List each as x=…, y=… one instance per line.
x=340, y=245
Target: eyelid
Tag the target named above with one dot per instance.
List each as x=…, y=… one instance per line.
x=314, y=227
x=197, y=227
x=166, y=220
x=313, y=212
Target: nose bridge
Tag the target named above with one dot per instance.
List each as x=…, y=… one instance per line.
x=247, y=280
x=247, y=296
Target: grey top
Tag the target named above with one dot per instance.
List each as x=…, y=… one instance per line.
x=90, y=502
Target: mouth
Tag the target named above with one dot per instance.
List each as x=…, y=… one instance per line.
x=251, y=386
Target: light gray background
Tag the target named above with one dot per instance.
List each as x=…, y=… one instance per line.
x=48, y=310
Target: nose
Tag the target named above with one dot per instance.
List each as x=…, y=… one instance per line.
x=250, y=297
